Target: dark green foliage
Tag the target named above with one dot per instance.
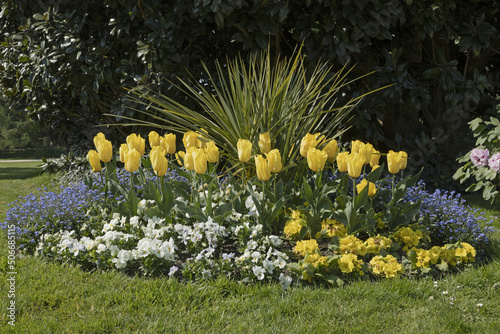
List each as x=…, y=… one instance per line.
x=65, y=62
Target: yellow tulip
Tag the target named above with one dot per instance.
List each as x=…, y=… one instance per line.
x=188, y=158
x=203, y=141
x=404, y=159
x=366, y=150
x=123, y=152
x=355, y=162
x=307, y=142
x=319, y=138
x=105, y=150
x=212, y=152
x=265, y=142
x=263, y=170
x=244, y=149
x=331, y=149
x=356, y=145
x=371, y=187
x=158, y=161
x=342, y=161
x=374, y=161
x=180, y=156
x=393, y=162
x=199, y=161
x=137, y=143
x=316, y=159
x=94, y=160
x=98, y=138
x=167, y=143
x=132, y=160
x=154, y=139
x=274, y=161
x=190, y=139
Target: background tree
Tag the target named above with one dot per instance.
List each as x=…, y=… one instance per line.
x=65, y=62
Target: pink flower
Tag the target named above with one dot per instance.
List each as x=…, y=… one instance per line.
x=479, y=157
x=494, y=162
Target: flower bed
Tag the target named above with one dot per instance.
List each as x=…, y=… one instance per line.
x=185, y=222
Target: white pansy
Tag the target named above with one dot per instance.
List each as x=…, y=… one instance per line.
x=259, y=272
x=285, y=281
x=134, y=221
x=268, y=266
x=280, y=262
x=122, y=258
x=252, y=244
x=101, y=248
x=113, y=249
x=255, y=257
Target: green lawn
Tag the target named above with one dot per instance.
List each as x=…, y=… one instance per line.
x=55, y=298
x=14, y=170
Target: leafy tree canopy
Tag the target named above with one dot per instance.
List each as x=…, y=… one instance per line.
x=66, y=62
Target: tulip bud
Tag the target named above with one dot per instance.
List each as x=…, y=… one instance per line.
x=188, y=158
x=158, y=161
x=244, y=149
x=212, y=152
x=307, y=142
x=404, y=159
x=105, y=150
x=355, y=163
x=371, y=187
x=365, y=151
x=154, y=139
x=98, y=138
x=94, y=160
x=265, y=142
x=200, y=161
x=374, y=161
x=123, y=152
x=331, y=149
x=190, y=139
x=393, y=162
x=342, y=161
x=274, y=161
x=316, y=159
x=356, y=145
x=170, y=143
x=263, y=171
x=180, y=156
x=132, y=160
x=136, y=142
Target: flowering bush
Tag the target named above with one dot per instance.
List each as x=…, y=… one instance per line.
x=156, y=218
x=483, y=162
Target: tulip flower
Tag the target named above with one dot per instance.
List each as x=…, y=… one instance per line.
x=98, y=138
x=404, y=159
x=356, y=145
x=342, y=161
x=132, y=160
x=371, y=187
x=366, y=150
x=355, y=162
x=202, y=142
x=307, y=142
x=244, y=149
x=190, y=139
x=212, y=152
x=154, y=139
x=393, y=162
x=123, y=151
x=169, y=143
x=136, y=142
x=158, y=161
x=94, y=160
x=274, y=161
x=374, y=161
x=331, y=149
x=180, y=156
x=188, y=158
x=263, y=170
x=265, y=142
x=105, y=150
x=199, y=161
x=316, y=159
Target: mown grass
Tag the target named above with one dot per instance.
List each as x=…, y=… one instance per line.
x=60, y=298
x=18, y=170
